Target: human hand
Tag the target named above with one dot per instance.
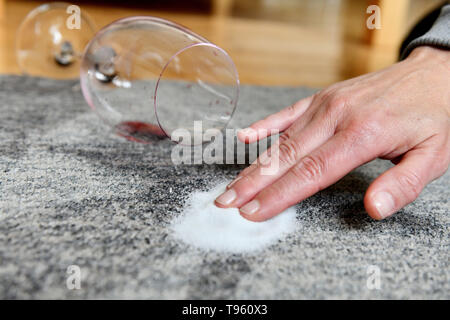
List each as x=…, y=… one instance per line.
x=401, y=113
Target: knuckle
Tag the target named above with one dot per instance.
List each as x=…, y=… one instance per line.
x=325, y=94
x=337, y=103
x=310, y=168
x=288, y=151
x=367, y=130
x=410, y=184
x=290, y=111
x=284, y=137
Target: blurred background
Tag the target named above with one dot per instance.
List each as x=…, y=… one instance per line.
x=272, y=42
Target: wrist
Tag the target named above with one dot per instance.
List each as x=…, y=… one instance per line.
x=431, y=54
x=436, y=61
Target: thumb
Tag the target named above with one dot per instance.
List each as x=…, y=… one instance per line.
x=403, y=183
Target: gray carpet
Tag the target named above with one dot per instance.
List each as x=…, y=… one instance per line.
x=73, y=193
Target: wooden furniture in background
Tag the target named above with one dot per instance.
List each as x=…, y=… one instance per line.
x=393, y=28
x=266, y=51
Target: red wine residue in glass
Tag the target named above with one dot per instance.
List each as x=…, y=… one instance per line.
x=140, y=131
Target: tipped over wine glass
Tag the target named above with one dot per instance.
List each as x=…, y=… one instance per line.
x=144, y=76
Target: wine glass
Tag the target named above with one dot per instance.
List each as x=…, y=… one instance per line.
x=146, y=77
x=51, y=39
x=150, y=78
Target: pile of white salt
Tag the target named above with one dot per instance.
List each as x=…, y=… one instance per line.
x=205, y=226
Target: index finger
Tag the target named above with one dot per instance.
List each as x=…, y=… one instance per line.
x=279, y=121
x=314, y=172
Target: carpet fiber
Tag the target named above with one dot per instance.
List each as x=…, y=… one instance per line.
x=73, y=193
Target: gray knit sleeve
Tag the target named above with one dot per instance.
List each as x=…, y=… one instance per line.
x=438, y=35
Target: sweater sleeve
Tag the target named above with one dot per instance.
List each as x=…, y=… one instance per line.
x=437, y=36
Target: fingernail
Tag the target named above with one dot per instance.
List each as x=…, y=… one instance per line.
x=227, y=197
x=384, y=202
x=250, y=208
x=233, y=182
